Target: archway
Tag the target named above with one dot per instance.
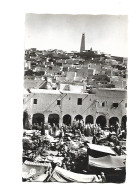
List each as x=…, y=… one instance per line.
x=113, y=121
x=123, y=123
x=53, y=118
x=78, y=117
x=89, y=119
x=67, y=119
x=38, y=118
x=101, y=120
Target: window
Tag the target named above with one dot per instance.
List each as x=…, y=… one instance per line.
x=79, y=101
x=69, y=98
x=58, y=102
x=115, y=105
x=35, y=101
x=103, y=104
x=126, y=105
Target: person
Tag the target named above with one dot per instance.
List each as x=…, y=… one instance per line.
x=94, y=140
x=85, y=130
x=122, y=135
x=64, y=166
x=88, y=130
x=99, y=178
x=42, y=129
x=79, y=132
x=73, y=130
x=54, y=129
x=103, y=177
x=74, y=123
x=117, y=149
x=49, y=129
x=117, y=128
x=113, y=138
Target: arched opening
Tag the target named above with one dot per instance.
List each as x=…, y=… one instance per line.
x=123, y=123
x=53, y=118
x=89, y=119
x=101, y=120
x=113, y=121
x=38, y=118
x=78, y=117
x=67, y=119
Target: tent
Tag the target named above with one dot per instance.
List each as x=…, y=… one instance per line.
x=108, y=162
x=39, y=167
x=62, y=175
x=112, y=166
x=99, y=150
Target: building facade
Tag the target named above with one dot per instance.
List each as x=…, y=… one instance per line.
x=103, y=106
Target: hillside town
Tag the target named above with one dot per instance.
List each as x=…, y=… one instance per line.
x=74, y=116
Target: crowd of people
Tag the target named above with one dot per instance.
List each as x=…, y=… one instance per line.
x=69, y=142
x=88, y=129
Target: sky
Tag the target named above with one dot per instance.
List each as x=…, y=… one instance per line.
x=106, y=33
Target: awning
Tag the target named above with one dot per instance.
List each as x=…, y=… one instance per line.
x=62, y=175
x=108, y=161
x=30, y=163
x=102, y=149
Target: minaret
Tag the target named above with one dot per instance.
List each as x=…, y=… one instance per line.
x=82, y=48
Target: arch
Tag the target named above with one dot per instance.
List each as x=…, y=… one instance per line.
x=101, y=120
x=123, y=122
x=53, y=118
x=67, y=119
x=113, y=120
x=38, y=118
x=89, y=119
x=78, y=117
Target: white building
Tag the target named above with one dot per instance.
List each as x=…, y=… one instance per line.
x=105, y=106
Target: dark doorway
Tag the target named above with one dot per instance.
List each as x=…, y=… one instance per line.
x=89, y=119
x=78, y=117
x=38, y=118
x=101, y=120
x=67, y=119
x=113, y=120
x=53, y=118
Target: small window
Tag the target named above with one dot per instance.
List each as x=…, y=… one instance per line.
x=126, y=105
x=58, y=102
x=79, y=102
x=69, y=98
x=103, y=104
x=35, y=101
x=115, y=105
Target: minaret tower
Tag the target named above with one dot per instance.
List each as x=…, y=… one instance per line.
x=82, y=48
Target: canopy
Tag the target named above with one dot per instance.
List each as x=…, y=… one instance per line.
x=39, y=169
x=36, y=164
x=108, y=161
x=102, y=149
x=62, y=175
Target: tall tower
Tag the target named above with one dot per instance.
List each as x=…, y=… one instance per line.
x=82, y=48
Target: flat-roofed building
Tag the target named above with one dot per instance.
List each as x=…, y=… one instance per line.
x=103, y=106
